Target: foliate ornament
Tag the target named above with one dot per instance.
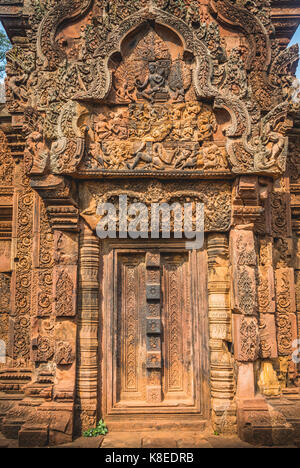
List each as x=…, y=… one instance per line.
x=21, y=337
x=284, y=334
x=249, y=336
x=22, y=305
x=64, y=296
x=6, y=161
x=244, y=261
x=267, y=333
x=265, y=346
x=266, y=252
x=280, y=214
x=216, y=198
x=43, y=349
x=266, y=290
x=246, y=292
x=5, y=280
x=283, y=311
x=63, y=353
x=263, y=294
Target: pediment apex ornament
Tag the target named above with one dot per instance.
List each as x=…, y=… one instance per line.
x=102, y=85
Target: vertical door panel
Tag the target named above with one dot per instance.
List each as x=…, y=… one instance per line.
x=178, y=323
x=130, y=324
x=152, y=344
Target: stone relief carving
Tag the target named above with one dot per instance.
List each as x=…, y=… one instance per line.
x=216, y=198
x=249, y=339
x=63, y=354
x=160, y=137
x=6, y=162
x=96, y=64
x=64, y=295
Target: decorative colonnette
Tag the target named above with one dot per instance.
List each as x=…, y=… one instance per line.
x=88, y=330
x=221, y=360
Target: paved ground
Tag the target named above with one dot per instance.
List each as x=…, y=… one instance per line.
x=167, y=440
x=149, y=440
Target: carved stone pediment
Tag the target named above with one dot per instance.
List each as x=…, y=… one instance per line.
x=99, y=67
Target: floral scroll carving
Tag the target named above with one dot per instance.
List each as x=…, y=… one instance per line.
x=6, y=162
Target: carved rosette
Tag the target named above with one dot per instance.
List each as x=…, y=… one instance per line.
x=42, y=349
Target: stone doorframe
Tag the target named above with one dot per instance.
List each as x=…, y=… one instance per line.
x=219, y=315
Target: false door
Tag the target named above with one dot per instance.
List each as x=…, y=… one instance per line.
x=154, y=347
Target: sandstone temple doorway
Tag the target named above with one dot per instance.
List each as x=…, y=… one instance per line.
x=155, y=359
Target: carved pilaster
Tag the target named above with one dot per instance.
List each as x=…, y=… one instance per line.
x=88, y=327
x=284, y=261
x=6, y=202
x=65, y=291
x=21, y=278
x=222, y=374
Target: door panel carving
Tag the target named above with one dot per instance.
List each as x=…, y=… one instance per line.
x=154, y=350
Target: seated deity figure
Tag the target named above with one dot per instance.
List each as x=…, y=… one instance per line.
x=156, y=80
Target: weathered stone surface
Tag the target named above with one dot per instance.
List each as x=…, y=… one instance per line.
x=164, y=103
x=33, y=436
